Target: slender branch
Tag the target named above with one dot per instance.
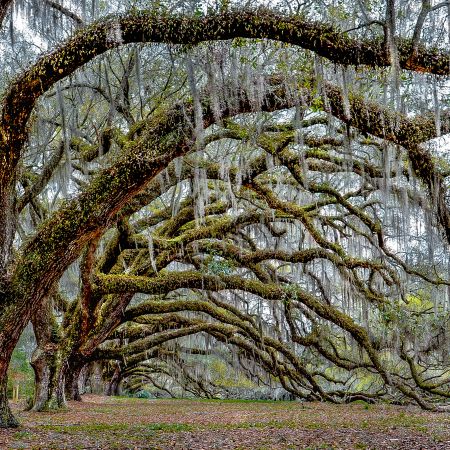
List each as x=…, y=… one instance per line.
x=65, y=11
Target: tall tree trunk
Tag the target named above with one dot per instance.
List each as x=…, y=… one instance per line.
x=48, y=363
x=11, y=326
x=7, y=419
x=42, y=377
x=112, y=388
x=73, y=382
x=59, y=397
x=49, y=375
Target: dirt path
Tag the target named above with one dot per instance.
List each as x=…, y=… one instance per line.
x=107, y=423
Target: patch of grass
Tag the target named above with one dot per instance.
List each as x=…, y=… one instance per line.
x=404, y=420
x=250, y=425
x=313, y=426
x=254, y=425
x=21, y=435
x=236, y=400
x=320, y=446
x=169, y=427
x=87, y=428
x=438, y=438
x=360, y=445
x=363, y=403
x=100, y=428
x=125, y=398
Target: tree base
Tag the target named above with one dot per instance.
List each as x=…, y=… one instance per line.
x=7, y=420
x=49, y=405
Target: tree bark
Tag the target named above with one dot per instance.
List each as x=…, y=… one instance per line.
x=73, y=382
x=50, y=374
x=7, y=227
x=112, y=388
x=42, y=380
x=4, y=6
x=47, y=358
x=7, y=420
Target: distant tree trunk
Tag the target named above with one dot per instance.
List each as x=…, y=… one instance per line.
x=96, y=380
x=73, y=382
x=112, y=389
x=82, y=379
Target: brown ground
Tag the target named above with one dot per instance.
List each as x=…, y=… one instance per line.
x=106, y=423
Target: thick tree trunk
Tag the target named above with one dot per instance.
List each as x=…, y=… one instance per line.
x=7, y=420
x=11, y=324
x=48, y=364
x=49, y=380
x=42, y=380
x=9, y=335
x=60, y=392
x=73, y=382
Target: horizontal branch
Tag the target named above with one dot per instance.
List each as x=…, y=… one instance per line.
x=144, y=26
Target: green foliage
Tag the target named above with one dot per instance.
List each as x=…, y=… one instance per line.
x=143, y=394
x=222, y=377
x=317, y=104
x=217, y=266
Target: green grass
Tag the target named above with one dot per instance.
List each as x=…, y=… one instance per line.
x=169, y=427
x=253, y=425
x=126, y=398
x=172, y=427
x=21, y=435
x=361, y=402
x=360, y=445
x=160, y=421
x=403, y=420
x=313, y=426
x=233, y=400
x=121, y=427
x=87, y=428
